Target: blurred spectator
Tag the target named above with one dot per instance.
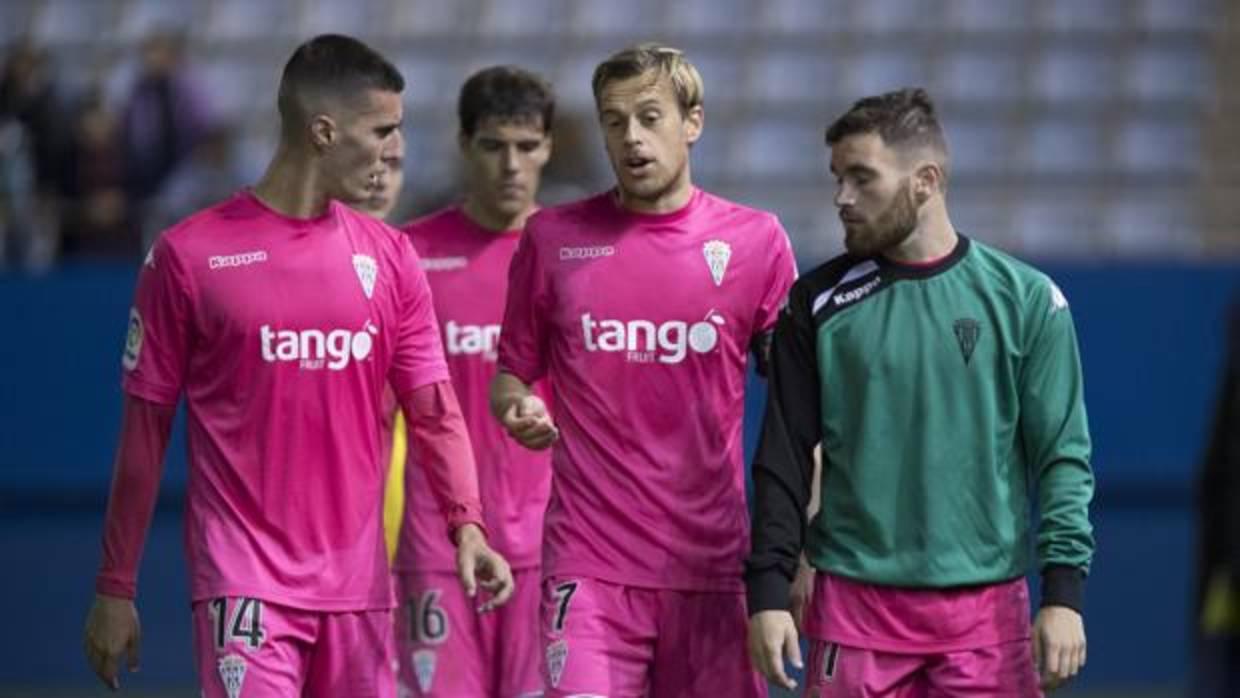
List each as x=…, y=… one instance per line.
x=577, y=167
x=165, y=117
x=1218, y=579
x=97, y=217
x=32, y=155
x=209, y=175
x=16, y=190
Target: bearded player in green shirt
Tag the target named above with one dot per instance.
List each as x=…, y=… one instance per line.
x=942, y=379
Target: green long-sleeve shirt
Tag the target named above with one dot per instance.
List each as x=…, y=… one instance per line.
x=945, y=398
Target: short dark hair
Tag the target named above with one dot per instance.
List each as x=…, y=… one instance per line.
x=507, y=93
x=332, y=65
x=901, y=118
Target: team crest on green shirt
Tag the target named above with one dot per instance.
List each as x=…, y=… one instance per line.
x=967, y=331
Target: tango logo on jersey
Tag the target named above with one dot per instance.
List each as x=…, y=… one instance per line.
x=642, y=341
x=594, y=252
x=367, y=270
x=237, y=260
x=315, y=349
x=472, y=340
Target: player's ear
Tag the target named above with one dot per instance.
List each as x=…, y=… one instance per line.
x=927, y=181
x=544, y=150
x=462, y=141
x=323, y=131
x=695, y=121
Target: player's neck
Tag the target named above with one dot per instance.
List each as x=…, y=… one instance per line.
x=670, y=200
x=291, y=187
x=933, y=239
x=494, y=220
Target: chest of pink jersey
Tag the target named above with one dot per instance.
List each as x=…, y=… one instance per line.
x=653, y=298
x=468, y=281
x=313, y=304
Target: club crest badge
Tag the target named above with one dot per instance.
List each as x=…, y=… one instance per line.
x=557, y=656
x=424, y=669
x=717, y=253
x=367, y=270
x=232, y=674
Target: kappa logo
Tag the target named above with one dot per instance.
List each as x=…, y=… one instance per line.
x=591, y=252
x=857, y=293
x=717, y=253
x=443, y=263
x=424, y=669
x=232, y=674
x=237, y=260
x=367, y=271
x=557, y=657
x=1058, y=300
x=967, y=332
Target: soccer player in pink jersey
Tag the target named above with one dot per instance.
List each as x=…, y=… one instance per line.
x=641, y=304
x=280, y=314
x=447, y=649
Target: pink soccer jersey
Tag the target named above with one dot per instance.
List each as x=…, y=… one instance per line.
x=467, y=268
x=643, y=324
x=281, y=333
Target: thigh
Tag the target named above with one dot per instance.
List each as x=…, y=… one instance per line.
x=1000, y=670
x=840, y=671
x=248, y=644
x=701, y=649
x=438, y=635
x=353, y=656
x=514, y=641
x=598, y=638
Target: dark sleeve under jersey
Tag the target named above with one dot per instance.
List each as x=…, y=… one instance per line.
x=783, y=462
x=1220, y=474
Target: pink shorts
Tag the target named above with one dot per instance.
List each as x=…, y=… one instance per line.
x=603, y=639
x=448, y=649
x=836, y=671
x=252, y=648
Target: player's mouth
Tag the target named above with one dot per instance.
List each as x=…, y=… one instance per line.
x=511, y=189
x=850, y=218
x=638, y=166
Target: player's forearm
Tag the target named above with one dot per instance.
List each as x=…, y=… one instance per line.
x=784, y=465
x=507, y=390
x=440, y=444
x=145, y=430
x=781, y=498
x=1065, y=535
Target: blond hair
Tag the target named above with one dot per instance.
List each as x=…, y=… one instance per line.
x=666, y=61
